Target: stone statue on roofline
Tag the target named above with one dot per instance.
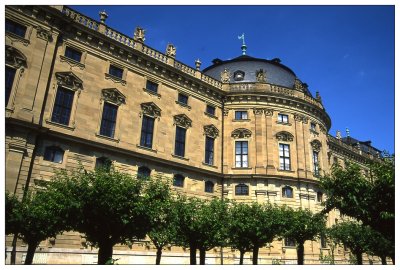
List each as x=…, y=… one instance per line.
x=171, y=50
x=139, y=34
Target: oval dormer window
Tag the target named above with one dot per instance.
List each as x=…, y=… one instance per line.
x=238, y=75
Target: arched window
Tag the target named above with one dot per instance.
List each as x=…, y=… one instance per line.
x=209, y=187
x=143, y=173
x=54, y=154
x=287, y=192
x=319, y=196
x=241, y=190
x=103, y=163
x=178, y=180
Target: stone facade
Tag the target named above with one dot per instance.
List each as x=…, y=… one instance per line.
x=150, y=84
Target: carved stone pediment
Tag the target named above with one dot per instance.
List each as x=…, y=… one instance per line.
x=211, y=131
x=241, y=133
x=69, y=79
x=151, y=109
x=316, y=145
x=182, y=120
x=284, y=136
x=113, y=95
x=14, y=57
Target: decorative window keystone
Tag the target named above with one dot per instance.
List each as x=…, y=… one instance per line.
x=316, y=145
x=211, y=131
x=241, y=133
x=113, y=95
x=183, y=121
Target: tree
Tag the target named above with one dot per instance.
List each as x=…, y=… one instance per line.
x=162, y=217
x=302, y=225
x=110, y=208
x=354, y=236
x=200, y=225
x=379, y=246
x=40, y=215
x=369, y=199
x=252, y=226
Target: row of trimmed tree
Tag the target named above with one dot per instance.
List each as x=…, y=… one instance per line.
x=110, y=207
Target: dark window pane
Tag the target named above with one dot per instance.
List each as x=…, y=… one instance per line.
x=287, y=192
x=209, y=159
x=73, y=54
x=289, y=242
x=15, y=28
x=180, y=141
x=108, y=120
x=209, y=187
x=9, y=80
x=103, y=163
x=63, y=105
x=146, y=138
x=183, y=99
x=241, y=189
x=153, y=87
x=53, y=154
x=178, y=180
x=210, y=110
x=116, y=72
x=143, y=173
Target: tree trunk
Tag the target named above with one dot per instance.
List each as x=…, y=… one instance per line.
x=392, y=257
x=158, y=258
x=31, y=252
x=14, y=249
x=202, y=256
x=192, y=254
x=359, y=258
x=300, y=253
x=241, y=257
x=105, y=252
x=383, y=259
x=255, y=255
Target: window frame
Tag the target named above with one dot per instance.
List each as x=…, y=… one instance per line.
x=54, y=150
x=116, y=68
x=239, y=115
x=315, y=162
x=180, y=142
x=152, y=84
x=208, y=106
x=9, y=88
x=289, y=242
x=320, y=197
x=14, y=23
x=241, y=154
x=185, y=100
x=103, y=120
x=209, y=186
x=241, y=190
x=72, y=49
x=209, y=153
x=182, y=180
x=282, y=117
x=285, y=193
x=143, y=173
x=145, y=134
x=284, y=158
x=103, y=163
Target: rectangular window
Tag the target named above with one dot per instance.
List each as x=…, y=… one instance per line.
x=240, y=115
x=284, y=157
x=180, y=141
x=15, y=28
x=146, y=138
x=313, y=127
x=283, y=118
x=323, y=241
x=151, y=86
x=9, y=80
x=108, y=120
x=210, y=110
x=183, y=99
x=73, y=54
x=290, y=242
x=241, y=154
x=63, y=105
x=209, y=159
x=115, y=71
x=315, y=163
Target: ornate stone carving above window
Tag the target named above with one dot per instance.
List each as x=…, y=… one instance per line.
x=70, y=80
x=211, y=131
x=151, y=109
x=300, y=118
x=113, y=95
x=316, y=145
x=15, y=58
x=43, y=33
x=284, y=136
x=258, y=111
x=241, y=133
x=269, y=112
x=182, y=120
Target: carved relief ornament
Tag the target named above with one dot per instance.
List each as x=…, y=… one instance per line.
x=43, y=33
x=70, y=80
x=14, y=57
x=151, y=109
x=284, y=136
x=316, y=145
x=171, y=50
x=182, y=120
x=241, y=133
x=139, y=34
x=211, y=131
x=113, y=95
x=300, y=118
x=261, y=76
x=225, y=75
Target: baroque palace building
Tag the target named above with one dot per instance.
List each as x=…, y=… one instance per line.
x=247, y=129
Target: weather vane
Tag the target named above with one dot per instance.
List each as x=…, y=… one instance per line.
x=244, y=47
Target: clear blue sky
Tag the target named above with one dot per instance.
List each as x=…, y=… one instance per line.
x=344, y=52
